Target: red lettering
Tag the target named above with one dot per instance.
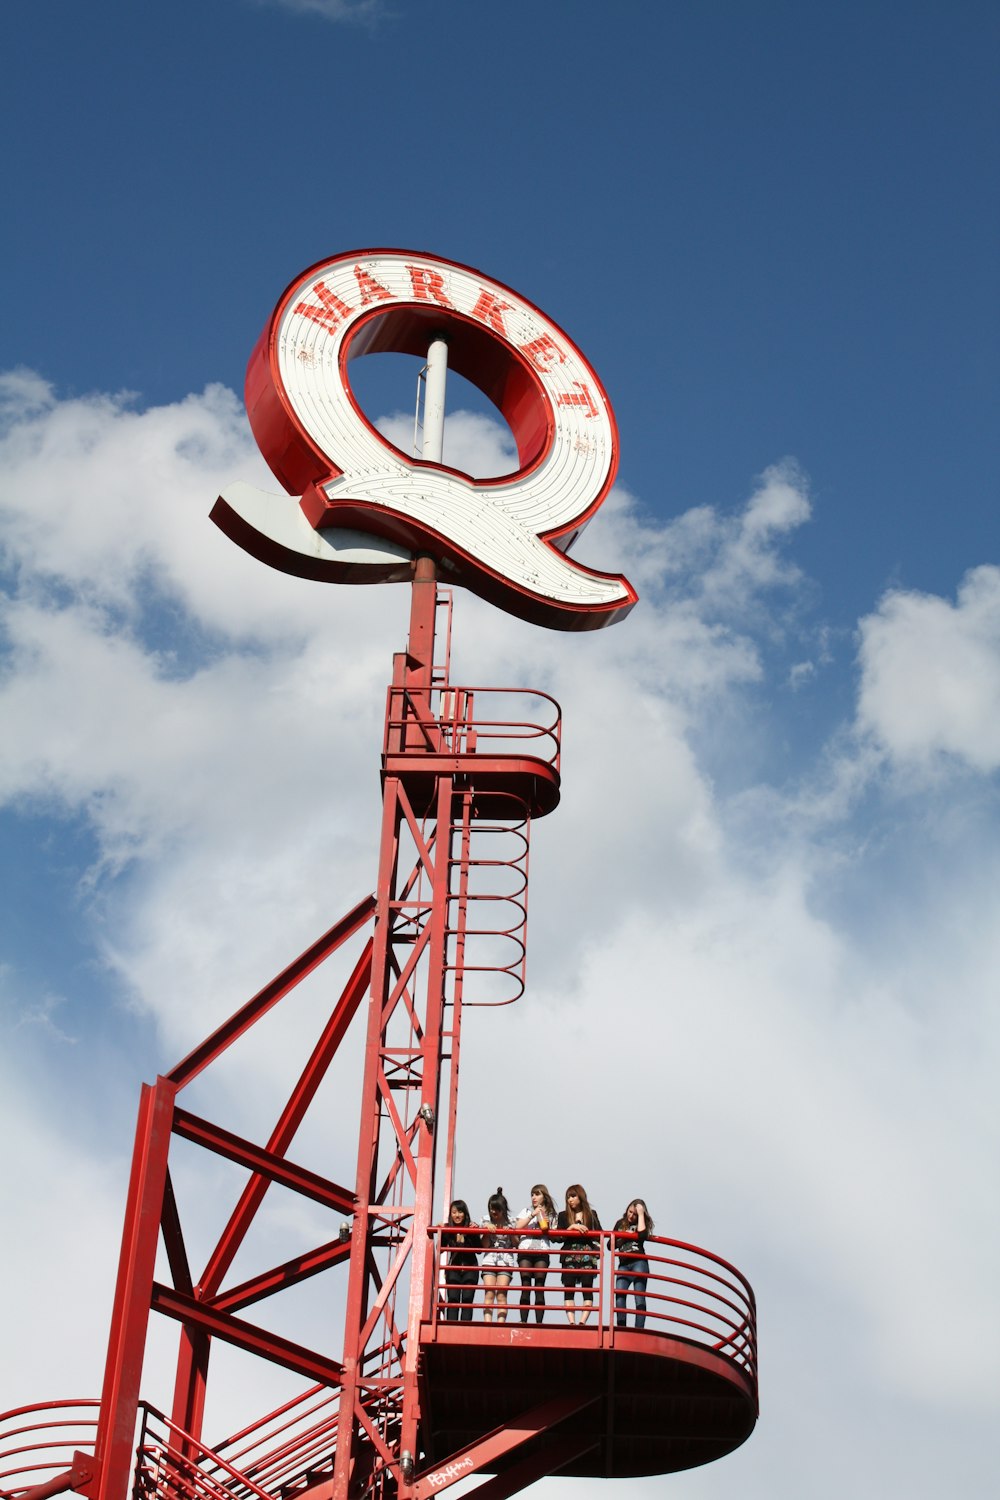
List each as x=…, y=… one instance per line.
x=584, y=398
x=332, y=312
x=543, y=352
x=489, y=309
x=427, y=284
x=370, y=287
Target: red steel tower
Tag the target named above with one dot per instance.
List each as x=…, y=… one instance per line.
x=413, y=1400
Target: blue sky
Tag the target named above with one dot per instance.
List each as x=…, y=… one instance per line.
x=793, y=204
x=772, y=228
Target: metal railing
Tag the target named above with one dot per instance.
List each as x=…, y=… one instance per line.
x=283, y=1453
x=487, y=914
x=37, y=1444
x=172, y=1465
x=281, y=1450
x=671, y=1289
x=280, y=1454
x=491, y=721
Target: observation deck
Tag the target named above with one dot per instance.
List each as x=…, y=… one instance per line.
x=673, y=1394
x=519, y=1400
x=501, y=746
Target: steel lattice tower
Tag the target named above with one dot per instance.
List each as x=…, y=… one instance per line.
x=413, y=1402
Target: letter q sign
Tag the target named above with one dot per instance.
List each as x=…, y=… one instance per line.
x=364, y=509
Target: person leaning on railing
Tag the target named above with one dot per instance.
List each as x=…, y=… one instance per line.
x=632, y=1270
x=499, y=1259
x=532, y=1250
x=462, y=1270
x=581, y=1252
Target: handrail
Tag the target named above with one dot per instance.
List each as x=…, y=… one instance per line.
x=77, y=1433
x=446, y=720
x=281, y=1453
x=671, y=1289
x=487, y=910
x=165, y=1464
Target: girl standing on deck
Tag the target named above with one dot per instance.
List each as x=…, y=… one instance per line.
x=632, y=1269
x=499, y=1259
x=582, y=1251
x=533, y=1250
x=462, y=1271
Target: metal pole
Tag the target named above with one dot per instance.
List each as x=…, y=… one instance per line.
x=436, y=378
x=424, y=595
x=115, y=1438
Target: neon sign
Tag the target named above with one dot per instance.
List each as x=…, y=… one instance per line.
x=364, y=507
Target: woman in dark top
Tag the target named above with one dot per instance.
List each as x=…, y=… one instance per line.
x=462, y=1270
x=633, y=1267
x=581, y=1252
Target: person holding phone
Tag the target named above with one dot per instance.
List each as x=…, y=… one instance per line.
x=533, y=1250
x=632, y=1270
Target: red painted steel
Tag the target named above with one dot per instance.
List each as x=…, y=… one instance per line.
x=293, y=1113
x=557, y=1453
x=243, y=1335
x=47, y=1438
x=689, y=1293
x=172, y=1464
x=151, y=1209
x=413, y=1402
x=264, y=1163
x=130, y=1314
x=238, y=1024
x=487, y=1452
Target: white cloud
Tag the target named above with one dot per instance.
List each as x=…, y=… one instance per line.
x=66, y=1202
x=472, y=442
x=709, y=1020
x=930, y=676
x=726, y=562
x=23, y=393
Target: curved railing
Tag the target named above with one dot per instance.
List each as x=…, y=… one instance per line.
x=487, y=915
x=682, y=1293
x=278, y=1454
x=171, y=1465
x=475, y=721
x=38, y=1443
x=674, y=1289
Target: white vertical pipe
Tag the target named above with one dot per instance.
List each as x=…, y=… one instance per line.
x=437, y=372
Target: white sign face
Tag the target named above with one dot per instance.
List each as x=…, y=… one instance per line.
x=367, y=506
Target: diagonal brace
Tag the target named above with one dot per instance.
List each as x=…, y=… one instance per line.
x=495, y=1444
x=246, y=1336
x=556, y=1454
x=266, y=1163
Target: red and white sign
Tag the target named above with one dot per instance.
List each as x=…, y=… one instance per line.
x=366, y=508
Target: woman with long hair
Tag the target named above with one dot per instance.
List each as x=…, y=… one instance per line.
x=632, y=1270
x=499, y=1260
x=581, y=1252
x=462, y=1271
x=533, y=1249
